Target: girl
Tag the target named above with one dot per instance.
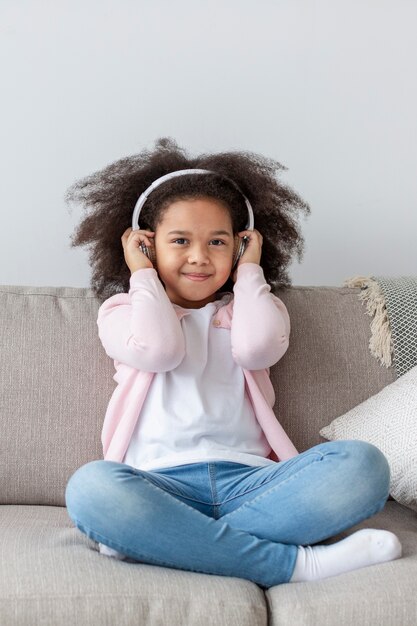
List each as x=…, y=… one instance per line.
x=197, y=472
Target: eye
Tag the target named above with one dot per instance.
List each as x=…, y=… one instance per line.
x=180, y=241
x=217, y=242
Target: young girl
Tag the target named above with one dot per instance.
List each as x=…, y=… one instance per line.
x=197, y=473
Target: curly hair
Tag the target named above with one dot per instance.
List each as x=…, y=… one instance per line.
x=109, y=196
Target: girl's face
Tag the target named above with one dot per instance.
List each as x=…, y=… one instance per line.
x=194, y=250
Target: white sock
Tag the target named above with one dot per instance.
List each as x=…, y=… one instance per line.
x=110, y=552
x=364, y=547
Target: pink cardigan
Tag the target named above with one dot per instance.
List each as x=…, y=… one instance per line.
x=141, y=331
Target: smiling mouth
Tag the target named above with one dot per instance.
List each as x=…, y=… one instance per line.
x=197, y=276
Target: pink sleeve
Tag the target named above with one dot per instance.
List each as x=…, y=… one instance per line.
x=260, y=324
x=141, y=328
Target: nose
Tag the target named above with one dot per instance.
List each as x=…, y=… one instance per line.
x=198, y=254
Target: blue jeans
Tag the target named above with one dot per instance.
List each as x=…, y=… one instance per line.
x=226, y=518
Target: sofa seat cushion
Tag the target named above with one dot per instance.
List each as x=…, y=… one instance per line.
x=53, y=574
x=382, y=594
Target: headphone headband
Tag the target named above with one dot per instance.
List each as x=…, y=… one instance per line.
x=144, y=196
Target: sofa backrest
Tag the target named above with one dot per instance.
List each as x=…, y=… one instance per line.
x=56, y=380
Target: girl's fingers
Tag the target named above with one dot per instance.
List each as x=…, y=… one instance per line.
x=133, y=242
x=146, y=241
x=143, y=235
x=252, y=235
x=253, y=248
x=129, y=231
x=253, y=232
x=126, y=234
x=137, y=235
x=142, y=232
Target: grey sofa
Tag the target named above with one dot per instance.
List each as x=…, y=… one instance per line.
x=55, y=384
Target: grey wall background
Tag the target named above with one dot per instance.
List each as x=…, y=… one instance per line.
x=326, y=87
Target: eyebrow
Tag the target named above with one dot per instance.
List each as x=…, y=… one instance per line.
x=187, y=232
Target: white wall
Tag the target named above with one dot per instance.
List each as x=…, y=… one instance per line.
x=326, y=87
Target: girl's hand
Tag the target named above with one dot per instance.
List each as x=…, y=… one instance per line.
x=253, y=250
x=134, y=257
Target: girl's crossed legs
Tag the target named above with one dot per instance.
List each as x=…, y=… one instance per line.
x=227, y=518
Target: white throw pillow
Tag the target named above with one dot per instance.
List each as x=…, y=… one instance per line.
x=389, y=421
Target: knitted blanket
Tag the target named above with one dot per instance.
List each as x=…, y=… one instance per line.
x=392, y=302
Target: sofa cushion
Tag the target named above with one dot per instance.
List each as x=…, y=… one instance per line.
x=53, y=574
x=383, y=594
x=55, y=382
x=328, y=367
x=389, y=421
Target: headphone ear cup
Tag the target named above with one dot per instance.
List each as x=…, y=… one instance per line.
x=238, y=249
x=149, y=252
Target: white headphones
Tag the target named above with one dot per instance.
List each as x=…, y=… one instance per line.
x=240, y=243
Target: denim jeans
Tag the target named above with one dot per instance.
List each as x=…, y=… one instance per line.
x=227, y=518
